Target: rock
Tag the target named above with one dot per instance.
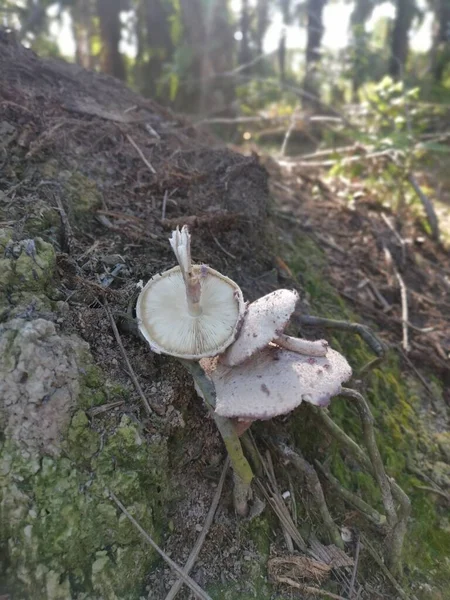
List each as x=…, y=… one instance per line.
x=39, y=382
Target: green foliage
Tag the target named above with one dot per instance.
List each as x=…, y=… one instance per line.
x=390, y=127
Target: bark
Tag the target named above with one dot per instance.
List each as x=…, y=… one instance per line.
x=111, y=60
x=245, y=55
x=285, y=11
x=361, y=13
x=440, y=49
x=82, y=13
x=209, y=37
x=315, y=31
x=155, y=47
x=405, y=12
x=262, y=22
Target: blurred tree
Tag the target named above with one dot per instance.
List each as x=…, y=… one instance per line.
x=158, y=24
x=262, y=23
x=359, y=52
x=245, y=54
x=208, y=37
x=314, y=33
x=406, y=10
x=82, y=13
x=440, y=48
x=285, y=7
x=111, y=60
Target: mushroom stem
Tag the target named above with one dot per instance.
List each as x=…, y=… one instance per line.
x=243, y=473
x=181, y=245
x=317, y=348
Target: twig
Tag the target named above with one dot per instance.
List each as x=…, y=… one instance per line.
x=125, y=358
x=201, y=538
x=186, y=579
x=315, y=490
x=221, y=247
x=141, y=154
x=355, y=568
x=375, y=458
x=164, y=205
x=428, y=488
x=428, y=206
x=309, y=589
x=362, y=330
x=400, y=240
x=288, y=133
x=360, y=456
x=404, y=298
x=368, y=546
x=373, y=515
x=282, y=513
x=274, y=484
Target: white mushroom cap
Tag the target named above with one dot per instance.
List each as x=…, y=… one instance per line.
x=275, y=381
x=264, y=320
x=189, y=311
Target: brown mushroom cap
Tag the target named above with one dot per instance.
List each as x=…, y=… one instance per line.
x=264, y=320
x=274, y=381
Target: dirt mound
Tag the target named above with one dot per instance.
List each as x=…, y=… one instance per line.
x=103, y=175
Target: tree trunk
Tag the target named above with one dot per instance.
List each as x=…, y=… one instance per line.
x=400, y=42
x=285, y=11
x=111, y=60
x=82, y=13
x=361, y=13
x=209, y=37
x=315, y=30
x=262, y=22
x=440, y=49
x=244, y=50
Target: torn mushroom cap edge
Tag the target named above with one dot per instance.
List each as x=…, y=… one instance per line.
x=264, y=320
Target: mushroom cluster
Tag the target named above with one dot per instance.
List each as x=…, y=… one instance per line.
x=266, y=373
x=243, y=364
x=194, y=312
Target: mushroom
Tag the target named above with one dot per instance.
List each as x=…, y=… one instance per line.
x=190, y=311
x=274, y=381
x=264, y=322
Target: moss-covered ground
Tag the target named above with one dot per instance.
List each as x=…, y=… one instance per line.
x=405, y=431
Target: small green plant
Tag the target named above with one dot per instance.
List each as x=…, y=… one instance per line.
x=392, y=141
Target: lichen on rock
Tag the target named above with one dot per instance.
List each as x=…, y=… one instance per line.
x=39, y=382
x=60, y=534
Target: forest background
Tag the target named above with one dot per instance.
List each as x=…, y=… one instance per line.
x=222, y=58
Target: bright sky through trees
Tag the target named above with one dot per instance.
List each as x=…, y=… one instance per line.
x=336, y=20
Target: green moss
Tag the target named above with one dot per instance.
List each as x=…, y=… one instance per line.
x=403, y=433
x=27, y=272
x=61, y=519
x=81, y=440
x=82, y=196
x=253, y=581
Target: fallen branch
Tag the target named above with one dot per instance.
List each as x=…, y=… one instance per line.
x=141, y=154
x=367, y=420
x=372, y=515
x=309, y=589
x=201, y=538
x=186, y=579
x=315, y=490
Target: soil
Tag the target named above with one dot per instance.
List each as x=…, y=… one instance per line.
x=104, y=176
